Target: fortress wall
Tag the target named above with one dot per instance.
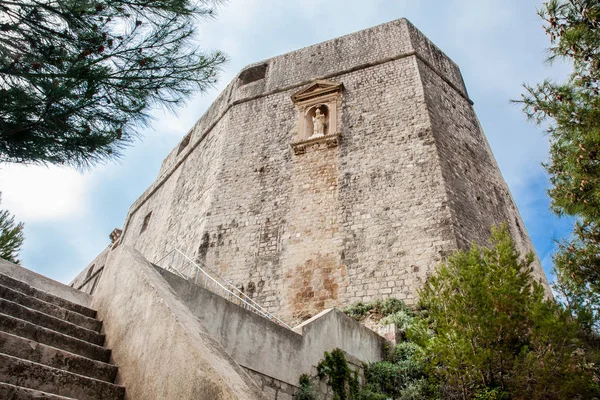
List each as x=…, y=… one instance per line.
x=369, y=218
x=395, y=221
x=243, y=235
x=179, y=207
x=358, y=50
x=478, y=195
x=301, y=233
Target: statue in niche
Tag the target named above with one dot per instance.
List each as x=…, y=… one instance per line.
x=318, y=124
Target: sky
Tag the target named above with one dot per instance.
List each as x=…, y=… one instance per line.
x=68, y=214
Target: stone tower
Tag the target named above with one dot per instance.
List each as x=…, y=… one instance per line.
x=339, y=172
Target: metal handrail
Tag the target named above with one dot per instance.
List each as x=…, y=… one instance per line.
x=211, y=282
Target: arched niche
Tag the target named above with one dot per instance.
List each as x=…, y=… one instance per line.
x=317, y=117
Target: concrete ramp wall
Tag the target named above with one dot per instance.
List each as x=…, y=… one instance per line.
x=162, y=349
x=270, y=349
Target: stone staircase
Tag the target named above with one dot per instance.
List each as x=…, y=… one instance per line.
x=51, y=348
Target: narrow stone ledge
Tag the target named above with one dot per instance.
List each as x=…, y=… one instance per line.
x=314, y=144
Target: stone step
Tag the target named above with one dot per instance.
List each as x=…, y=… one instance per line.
x=50, y=309
x=28, y=330
x=16, y=371
x=23, y=287
x=47, y=321
x=12, y=392
x=30, y=350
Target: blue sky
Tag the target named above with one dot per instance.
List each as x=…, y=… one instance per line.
x=69, y=214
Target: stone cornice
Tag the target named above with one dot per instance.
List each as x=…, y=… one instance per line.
x=319, y=88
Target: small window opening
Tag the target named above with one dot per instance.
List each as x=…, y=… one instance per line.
x=253, y=74
x=146, y=222
x=184, y=142
x=90, y=271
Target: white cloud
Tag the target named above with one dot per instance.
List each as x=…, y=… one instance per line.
x=38, y=193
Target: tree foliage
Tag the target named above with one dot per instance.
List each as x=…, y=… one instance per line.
x=484, y=329
x=496, y=336
x=571, y=111
x=11, y=236
x=77, y=77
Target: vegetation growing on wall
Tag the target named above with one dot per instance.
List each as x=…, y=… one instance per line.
x=401, y=376
x=387, y=308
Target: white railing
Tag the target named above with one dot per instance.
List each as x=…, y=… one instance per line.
x=177, y=262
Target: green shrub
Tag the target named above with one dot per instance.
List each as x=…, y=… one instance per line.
x=358, y=310
x=492, y=394
x=385, y=308
x=306, y=389
x=342, y=380
x=402, y=319
x=392, y=305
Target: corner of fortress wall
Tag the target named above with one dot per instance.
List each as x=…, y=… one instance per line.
x=364, y=213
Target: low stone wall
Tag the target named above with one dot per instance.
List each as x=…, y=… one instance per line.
x=43, y=283
x=162, y=349
x=273, y=389
x=273, y=350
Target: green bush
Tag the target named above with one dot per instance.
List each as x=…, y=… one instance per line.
x=342, y=380
x=385, y=308
x=358, y=310
x=306, y=389
x=385, y=377
x=402, y=319
x=391, y=306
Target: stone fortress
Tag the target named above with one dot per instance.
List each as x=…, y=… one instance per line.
x=340, y=172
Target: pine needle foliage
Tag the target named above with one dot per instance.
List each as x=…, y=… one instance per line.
x=78, y=77
x=496, y=335
x=571, y=113
x=11, y=236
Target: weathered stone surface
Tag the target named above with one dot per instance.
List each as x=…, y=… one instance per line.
x=42, y=354
x=47, y=321
x=46, y=348
x=44, y=288
x=16, y=371
x=272, y=389
x=12, y=276
x=50, y=309
x=12, y=392
x=28, y=330
x=410, y=178
x=278, y=353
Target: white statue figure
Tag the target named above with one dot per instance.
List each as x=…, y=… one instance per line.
x=318, y=124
